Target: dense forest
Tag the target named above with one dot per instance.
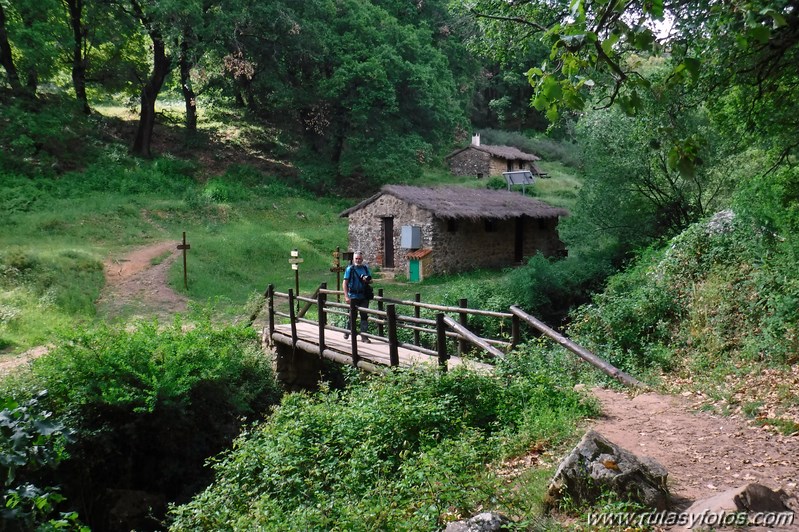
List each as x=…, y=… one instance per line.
x=679, y=118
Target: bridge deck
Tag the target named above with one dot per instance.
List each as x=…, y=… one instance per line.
x=375, y=352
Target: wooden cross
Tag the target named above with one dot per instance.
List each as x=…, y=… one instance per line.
x=184, y=246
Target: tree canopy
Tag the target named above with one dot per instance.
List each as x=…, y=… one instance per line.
x=740, y=55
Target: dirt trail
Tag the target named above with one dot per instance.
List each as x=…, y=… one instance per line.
x=704, y=454
x=134, y=285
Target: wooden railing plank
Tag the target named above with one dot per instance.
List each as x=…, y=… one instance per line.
x=579, y=350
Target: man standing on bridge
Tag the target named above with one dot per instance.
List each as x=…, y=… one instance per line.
x=357, y=278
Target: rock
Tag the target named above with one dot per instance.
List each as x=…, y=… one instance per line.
x=750, y=497
x=484, y=522
x=597, y=465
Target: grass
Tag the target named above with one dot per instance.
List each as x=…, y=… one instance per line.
x=241, y=222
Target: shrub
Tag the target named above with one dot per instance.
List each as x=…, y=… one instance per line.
x=550, y=288
x=396, y=452
x=719, y=288
x=29, y=442
x=547, y=149
x=150, y=405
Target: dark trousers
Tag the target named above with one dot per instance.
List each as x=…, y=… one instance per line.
x=364, y=325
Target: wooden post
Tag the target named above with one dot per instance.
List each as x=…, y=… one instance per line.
x=354, y=334
x=295, y=262
x=270, y=301
x=417, y=314
x=321, y=298
x=380, y=306
x=441, y=341
x=393, y=350
x=337, y=269
x=516, y=331
x=184, y=246
x=463, y=319
x=473, y=338
x=257, y=310
x=293, y=319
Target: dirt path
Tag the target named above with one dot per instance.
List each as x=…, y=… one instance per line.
x=134, y=286
x=704, y=454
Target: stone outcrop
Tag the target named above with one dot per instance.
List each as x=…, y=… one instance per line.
x=750, y=497
x=597, y=466
x=484, y=522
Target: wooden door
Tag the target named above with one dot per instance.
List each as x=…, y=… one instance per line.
x=388, y=242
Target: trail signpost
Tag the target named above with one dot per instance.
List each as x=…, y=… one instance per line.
x=295, y=262
x=184, y=247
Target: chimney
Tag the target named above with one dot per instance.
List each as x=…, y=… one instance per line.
x=476, y=139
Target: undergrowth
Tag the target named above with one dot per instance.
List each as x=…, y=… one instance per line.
x=406, y=451
x=147, y=407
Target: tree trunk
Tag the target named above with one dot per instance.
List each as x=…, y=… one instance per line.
x=5, y=56
x=185, y=83
x=75, y=8
x=149, y=94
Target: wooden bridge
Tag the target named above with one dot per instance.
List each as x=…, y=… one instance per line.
x=426, y=334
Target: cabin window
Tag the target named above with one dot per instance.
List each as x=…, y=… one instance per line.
x=491, y=226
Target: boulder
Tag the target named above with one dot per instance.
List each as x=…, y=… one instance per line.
x=750, y=497
x=484, y=522
x=597, y=465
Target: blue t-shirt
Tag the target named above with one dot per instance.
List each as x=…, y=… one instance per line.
x=355, y=287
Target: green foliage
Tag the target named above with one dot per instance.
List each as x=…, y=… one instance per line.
x=595, y=50
x=372, y=102
x=41, y=291
x=43, y=141
x=181, y=394
x=546, y=148
x=631, y=321
x=397, y=452
x=31, y=441
x=496, y=183
x=69, y=279
x=550, y=288
x=635, y=191
x=720, y=288
x=155, y=367
x=770, y=204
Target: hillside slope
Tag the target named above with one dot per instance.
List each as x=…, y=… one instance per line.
x=713, y=312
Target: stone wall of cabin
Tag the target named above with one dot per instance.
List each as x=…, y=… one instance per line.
x=366, y=229
x=476, y=163
x=474, y=244
x=466, y=245
x=471, y=162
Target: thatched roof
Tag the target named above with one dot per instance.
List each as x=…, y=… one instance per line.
x=467, y=203
x=503, y=152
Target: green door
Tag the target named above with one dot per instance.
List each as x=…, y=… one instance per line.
x=413, y=271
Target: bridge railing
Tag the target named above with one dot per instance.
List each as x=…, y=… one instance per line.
x=389, y=322
x=443, y=327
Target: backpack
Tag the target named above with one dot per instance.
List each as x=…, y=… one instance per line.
x=357, y=286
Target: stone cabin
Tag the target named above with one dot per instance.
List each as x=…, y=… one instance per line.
x=486, y=161
x=422, y=231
